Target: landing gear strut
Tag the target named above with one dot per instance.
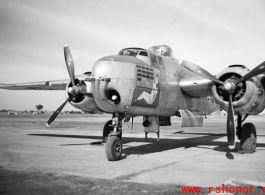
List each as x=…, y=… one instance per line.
x=148, y=132
x=113, y=142
x=108, y=128
x=247, y=135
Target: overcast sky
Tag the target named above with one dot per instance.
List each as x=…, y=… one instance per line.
x=211, y=33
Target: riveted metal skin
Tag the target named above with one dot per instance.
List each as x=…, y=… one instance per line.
x=132, y=80
x=196, y=86
x=122, y=73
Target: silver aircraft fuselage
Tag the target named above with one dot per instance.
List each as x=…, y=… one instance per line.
x=137, y=88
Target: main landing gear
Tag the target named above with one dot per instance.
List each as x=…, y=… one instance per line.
x=247, y=135
x=112, y=134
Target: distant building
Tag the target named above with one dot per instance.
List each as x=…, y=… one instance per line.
x=34, y=112
x=219, y=113
x=3, y=112
x=12, y=113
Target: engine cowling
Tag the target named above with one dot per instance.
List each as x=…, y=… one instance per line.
x=248, y=97
x=81, y=101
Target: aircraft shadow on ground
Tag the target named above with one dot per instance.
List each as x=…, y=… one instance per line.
x=207, y=141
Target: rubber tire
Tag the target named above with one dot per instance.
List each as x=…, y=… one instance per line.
x=248, y=137
x=107, y=130
x=113, y=148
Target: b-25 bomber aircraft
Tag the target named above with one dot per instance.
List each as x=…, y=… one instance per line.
x=153, y=84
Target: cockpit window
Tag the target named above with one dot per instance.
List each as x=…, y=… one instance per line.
x=121, y=53
x=143, y=53
x=129, y=52
x=139, y=53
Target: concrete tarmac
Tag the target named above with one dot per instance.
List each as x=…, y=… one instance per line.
x=183, y=156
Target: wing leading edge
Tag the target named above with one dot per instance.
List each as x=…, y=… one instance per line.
x=41, y=85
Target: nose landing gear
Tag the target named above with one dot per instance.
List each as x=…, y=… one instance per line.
x=112, y=134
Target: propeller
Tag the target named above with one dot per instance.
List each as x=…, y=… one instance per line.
x=56, y=113
x=73, y=91
x=230, y=124
x=229, y=86
x=254, y=72
x=69, y=63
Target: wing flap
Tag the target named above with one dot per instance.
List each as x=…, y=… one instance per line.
x=191, y=119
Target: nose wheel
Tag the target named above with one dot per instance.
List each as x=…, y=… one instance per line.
x=112, y=134
x=113, y=148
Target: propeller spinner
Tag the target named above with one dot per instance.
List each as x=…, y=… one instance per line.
x=229, y=87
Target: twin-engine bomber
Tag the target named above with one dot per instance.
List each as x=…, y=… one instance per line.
x=153, y=84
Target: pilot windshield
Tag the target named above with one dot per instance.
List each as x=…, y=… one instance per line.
x=129, y=52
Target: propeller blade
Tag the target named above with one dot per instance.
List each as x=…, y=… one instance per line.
x=69, y=63
x=87, y=94
x=200, y=71
x=56, y=113
x=231, y=130
x=254, y=72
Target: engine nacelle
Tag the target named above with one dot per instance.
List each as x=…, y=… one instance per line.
x=248, y=97
x=80, y=101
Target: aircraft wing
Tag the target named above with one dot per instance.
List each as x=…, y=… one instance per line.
x=41, y=85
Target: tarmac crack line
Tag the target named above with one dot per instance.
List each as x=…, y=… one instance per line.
x=129, y=176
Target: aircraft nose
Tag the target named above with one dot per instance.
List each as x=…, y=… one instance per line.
x=114, y=84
